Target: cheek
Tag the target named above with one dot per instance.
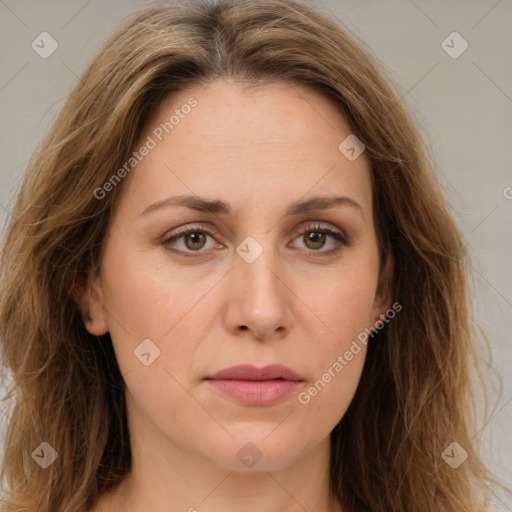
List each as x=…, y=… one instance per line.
x=157, y=322
x=339, y=348
x=144, y=291
x=339, y=321
x=143, y=302
x=340, y=302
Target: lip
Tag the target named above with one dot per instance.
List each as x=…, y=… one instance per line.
x=250, y=372
x=256, y=386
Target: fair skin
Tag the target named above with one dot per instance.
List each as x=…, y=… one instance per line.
x=295, y=304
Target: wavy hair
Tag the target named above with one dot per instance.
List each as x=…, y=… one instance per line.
x=415, y=395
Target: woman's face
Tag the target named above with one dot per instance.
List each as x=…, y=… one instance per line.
x=257, y=280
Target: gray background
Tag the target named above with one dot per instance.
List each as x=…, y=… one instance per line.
x=463, y=106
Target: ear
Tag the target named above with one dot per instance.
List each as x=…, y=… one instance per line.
x=87, y=293
x=384, y=292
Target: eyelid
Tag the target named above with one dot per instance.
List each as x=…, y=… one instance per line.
x=320, y=226
x=189, y=228
x=336, y=233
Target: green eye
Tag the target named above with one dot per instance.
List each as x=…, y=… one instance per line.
x=316, y=237
x=197, y=240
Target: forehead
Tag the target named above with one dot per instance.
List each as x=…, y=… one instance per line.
x=229, y=116
x=274, y=140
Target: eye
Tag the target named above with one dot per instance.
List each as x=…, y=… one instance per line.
x=316, y=237
x=193, y=238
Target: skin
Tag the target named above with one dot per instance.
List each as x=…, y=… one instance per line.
x=259, y=151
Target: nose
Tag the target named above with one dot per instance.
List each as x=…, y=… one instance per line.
x=258, y=298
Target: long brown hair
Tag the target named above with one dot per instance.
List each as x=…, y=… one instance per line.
x=414, y=397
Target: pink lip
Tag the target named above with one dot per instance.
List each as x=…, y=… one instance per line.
x=256, y=386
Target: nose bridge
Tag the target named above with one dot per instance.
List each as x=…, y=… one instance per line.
x=260, y=295
x=253, y=265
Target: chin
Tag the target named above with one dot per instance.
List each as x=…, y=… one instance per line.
x=257, y=453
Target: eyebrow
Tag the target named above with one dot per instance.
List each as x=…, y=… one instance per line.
x=221, y=208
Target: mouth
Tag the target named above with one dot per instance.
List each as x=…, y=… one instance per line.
x=256, y=386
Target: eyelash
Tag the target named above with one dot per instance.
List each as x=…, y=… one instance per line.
x=338, y=236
